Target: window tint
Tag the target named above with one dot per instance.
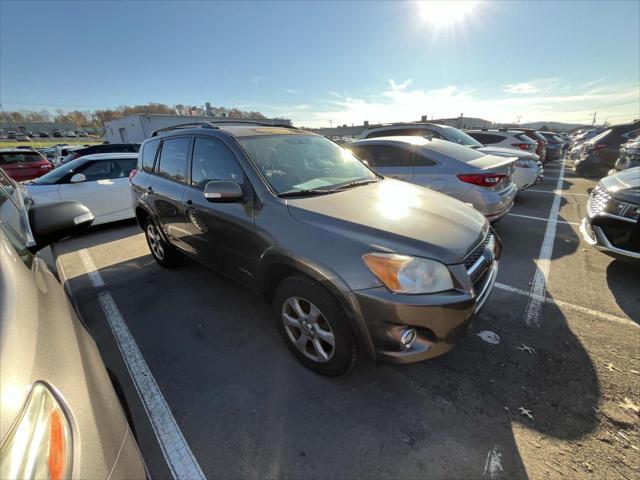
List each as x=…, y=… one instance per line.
x=122, y=168
x=486, y=138
x=149, y=155
x=97, y=170
x=173, y=159
x=15, y=157
x=421, y=160
x=387, y=156
x=212, y=160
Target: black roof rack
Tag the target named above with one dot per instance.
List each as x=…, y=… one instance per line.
x=251, y=122
x=184, y=125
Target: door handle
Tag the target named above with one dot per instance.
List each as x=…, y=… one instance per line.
x=149, y=189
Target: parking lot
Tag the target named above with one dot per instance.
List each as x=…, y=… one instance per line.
x=545, y=385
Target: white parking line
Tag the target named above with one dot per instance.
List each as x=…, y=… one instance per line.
x=559, y=192
x=588, y=311
x=175, y=448
x=542, y=219
x=94, y=276
x=539, y=285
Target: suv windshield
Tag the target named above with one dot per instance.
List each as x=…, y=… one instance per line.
x=297, y=163
x=458, y=136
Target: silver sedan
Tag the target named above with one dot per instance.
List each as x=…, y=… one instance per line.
x=483, y=181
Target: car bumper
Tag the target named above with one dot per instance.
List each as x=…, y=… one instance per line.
x=493, y=205
x=594, y=232
x=439, y=320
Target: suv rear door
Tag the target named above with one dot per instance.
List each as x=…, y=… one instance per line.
x=166, y=186
x=219, y=234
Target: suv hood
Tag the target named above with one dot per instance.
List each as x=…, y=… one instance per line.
x=507, y=152
x=624, y=185
x=396, y=216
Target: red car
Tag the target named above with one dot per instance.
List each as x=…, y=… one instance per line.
x=23, y=164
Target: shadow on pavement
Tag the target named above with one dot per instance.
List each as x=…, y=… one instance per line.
x=624, y=283
x=249, y=410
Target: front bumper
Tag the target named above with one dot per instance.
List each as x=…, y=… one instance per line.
x=594, y=232
x=440, y=320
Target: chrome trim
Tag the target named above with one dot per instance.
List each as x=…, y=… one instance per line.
x=476, y=265
x=484, y=294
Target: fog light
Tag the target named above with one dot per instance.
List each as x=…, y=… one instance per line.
x=407, y=337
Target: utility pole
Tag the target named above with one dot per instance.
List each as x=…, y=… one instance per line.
x=330, y=123
x=518, y=117
x=594, y=118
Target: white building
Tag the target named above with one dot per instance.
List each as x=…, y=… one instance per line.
x=136, y=128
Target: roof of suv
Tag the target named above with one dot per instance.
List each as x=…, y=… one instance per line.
x=237, y=129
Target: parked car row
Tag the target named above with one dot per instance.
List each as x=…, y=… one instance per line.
x=594, y=157
x=26, y=136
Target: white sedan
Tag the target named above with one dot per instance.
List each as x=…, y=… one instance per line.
x=100, y=182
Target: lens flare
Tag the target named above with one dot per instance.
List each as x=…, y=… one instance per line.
x=446, y=13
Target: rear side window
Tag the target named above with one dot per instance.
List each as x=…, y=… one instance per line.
x=26, y=157
x=148, y=155
x=524, y=137
x=388, y=156
x=97, y=170
x=486, y=138
x=212, y=160
x=422, y=160
x=173, y=159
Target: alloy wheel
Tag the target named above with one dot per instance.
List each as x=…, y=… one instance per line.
x=308, y=329
x=155, y=242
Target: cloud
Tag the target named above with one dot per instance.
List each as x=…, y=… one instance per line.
x=400, y=102
x=291, y=90
x=257, y=79
x=520, y=88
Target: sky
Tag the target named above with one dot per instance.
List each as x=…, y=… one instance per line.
x=328, y=63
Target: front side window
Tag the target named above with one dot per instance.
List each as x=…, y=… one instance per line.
x=148, y=156
x=173, y=158
x=292, y=163
x=98, y=170
x=212, y=160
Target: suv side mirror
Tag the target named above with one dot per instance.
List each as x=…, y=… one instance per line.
x=222, y=191
x=78, y=178
x=51, y=222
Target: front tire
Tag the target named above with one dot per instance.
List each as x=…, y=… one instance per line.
x=162, y=252
x=314, y=326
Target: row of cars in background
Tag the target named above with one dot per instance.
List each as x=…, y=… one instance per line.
x=27, y=136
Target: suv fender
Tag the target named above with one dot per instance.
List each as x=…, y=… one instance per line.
x=277, y=263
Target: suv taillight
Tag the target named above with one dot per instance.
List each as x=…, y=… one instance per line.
x=132, y=174
x=482, y=179
x=522, y=146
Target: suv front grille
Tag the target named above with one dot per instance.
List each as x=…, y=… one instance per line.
x=477, y=252
x=598, y=200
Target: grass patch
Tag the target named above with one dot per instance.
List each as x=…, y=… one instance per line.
x=51, y=143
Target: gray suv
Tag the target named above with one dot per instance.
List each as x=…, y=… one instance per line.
x=352, y=262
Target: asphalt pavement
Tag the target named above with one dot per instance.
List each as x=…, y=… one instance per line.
x=545, y=385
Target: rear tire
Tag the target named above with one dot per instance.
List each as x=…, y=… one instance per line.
x=314, y=326
x=162, y=252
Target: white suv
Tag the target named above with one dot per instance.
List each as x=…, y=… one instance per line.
x=504, y=138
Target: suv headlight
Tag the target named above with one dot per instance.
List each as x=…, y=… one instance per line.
x=624, y=209
x=405, y=274
x=39, y=443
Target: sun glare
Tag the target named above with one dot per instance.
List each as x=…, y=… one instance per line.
x=445, y=13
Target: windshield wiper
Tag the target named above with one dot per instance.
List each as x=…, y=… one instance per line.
x=355, y=183
x=304, y=193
